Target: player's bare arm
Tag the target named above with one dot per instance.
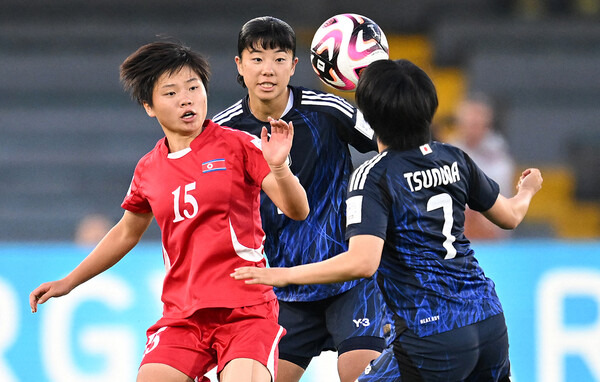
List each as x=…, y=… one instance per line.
x=112, y=248
x=282, y=187
x=508, y=213
x=361, y=260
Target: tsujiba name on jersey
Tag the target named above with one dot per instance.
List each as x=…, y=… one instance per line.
x=432, y=177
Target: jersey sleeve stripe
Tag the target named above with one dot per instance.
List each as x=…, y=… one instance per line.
x=356, y=175
x=332, y=97
x=312, y=98
x=359, y=177
x=227, y=114
x=329, y=98
x=326, y=103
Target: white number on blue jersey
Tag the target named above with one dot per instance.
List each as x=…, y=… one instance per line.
x=444, y=201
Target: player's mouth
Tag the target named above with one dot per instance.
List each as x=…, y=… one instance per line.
x=266, y=85
x=188, y=115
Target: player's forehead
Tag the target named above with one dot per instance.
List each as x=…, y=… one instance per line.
x=184, y=73
x=267, y=45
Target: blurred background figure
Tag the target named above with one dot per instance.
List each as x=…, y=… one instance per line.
x=476, y=133
x=539, y=8
x=91, y=229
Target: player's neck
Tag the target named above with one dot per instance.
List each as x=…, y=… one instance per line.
x=381, y=147
x=178, y=142
x=263, y=109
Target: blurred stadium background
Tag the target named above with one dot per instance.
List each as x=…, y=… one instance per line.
x=71, y=137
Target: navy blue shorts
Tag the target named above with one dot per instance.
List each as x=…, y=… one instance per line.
x=474, y=353
x=349, y=321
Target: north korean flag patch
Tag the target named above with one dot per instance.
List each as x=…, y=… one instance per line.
x=214, y=165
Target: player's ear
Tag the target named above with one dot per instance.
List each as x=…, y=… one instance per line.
x=294, y=66
x=238, y=63
x=149, y=110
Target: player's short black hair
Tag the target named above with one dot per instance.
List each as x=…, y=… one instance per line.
x=267, y=32
x=399, y=100
x=140, y=71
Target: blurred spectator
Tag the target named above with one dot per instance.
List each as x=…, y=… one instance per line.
x=91, y=229
x=560, y=8
x=476, y=134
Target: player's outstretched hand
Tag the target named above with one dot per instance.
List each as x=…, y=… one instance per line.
x=276, y=148
x=45, y=291
x=267, y=276
x=531, y=179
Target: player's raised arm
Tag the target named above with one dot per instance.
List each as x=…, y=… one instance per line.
x=508, y=213
x=282, y=187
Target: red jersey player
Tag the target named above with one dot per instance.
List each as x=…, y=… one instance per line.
x=202, y=184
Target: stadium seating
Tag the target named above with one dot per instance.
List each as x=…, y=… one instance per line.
x=71, y=137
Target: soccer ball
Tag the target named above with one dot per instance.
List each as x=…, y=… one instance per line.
x=343, y=46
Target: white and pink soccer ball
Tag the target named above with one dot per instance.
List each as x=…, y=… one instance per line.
x=344, y=45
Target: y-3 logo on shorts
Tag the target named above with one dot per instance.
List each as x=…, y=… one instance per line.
x=361, y=321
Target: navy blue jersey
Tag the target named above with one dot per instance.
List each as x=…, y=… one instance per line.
x=415, y=200
x=324, y=126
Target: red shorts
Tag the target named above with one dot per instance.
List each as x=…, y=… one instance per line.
x=214, y=336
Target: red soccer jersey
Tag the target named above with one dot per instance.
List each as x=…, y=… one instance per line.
x=206, y=202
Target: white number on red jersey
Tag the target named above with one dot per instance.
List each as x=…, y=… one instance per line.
x=187, y=199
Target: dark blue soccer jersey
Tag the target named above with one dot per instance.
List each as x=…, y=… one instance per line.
x=415, y=201
x=324, y=126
